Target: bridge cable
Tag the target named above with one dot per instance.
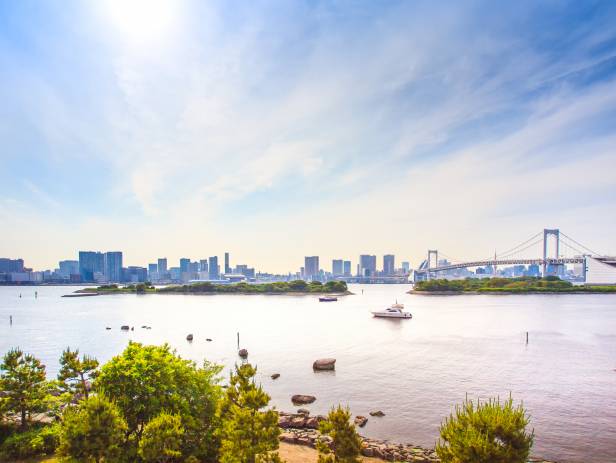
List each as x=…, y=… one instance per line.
x=580, y=244
x=502, y=256
x=511, y=250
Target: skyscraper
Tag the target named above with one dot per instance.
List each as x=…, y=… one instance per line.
x=406, y=267
x=337, y=267
x=153, y=271
x=162, y=265
x=389, y=264
x=227, y=266
x=367, y=265
x=213, y=268
x=90, y=262
x=347, y=268
x=184, y=263
x=203, y=267
x=68, y=267
x=311, y=267
x=113, y=266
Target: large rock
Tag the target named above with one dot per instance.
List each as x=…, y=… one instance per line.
x=276, y=376
x=361, y=421
x=324, y=364
x=300, y=399
x=189, y=337
x=377, y=413
x=124, y=327
x=243, y=353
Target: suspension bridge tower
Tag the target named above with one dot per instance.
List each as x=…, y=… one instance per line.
x=547, y=232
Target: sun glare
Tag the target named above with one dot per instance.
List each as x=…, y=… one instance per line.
x=143, y=21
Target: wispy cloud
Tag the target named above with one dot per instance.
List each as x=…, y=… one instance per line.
x=311, y=128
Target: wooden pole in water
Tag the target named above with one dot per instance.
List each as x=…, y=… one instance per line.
x=527, y=337
x=238, y=339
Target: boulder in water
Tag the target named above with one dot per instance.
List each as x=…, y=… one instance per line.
x=125, y=327
x=324, y=364
x=243, y=353
x=378, y=413
x=301, y=399
x=276, y=376
x=361, y=421
x=189, y=337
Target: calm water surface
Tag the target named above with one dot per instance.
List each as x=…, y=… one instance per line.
x=414, y=370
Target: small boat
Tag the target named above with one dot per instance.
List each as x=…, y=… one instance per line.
x=328, y=299
x=394, y=311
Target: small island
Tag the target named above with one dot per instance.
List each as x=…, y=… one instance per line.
x=295, y=287
x=520, y=285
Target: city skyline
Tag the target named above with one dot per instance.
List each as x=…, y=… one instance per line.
x=280, y=131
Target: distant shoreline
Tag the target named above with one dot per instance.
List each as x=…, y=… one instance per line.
x=502, y=293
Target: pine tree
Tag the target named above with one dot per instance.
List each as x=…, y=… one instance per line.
x=24, y=383
x=161, y=441
x=487, y=432
x=93, y=431
x=346, y=443
x=75, y=373
x=248, y=435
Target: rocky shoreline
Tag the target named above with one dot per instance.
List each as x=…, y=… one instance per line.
x=301, y=429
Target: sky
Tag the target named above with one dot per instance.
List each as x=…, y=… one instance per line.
x=275, y=130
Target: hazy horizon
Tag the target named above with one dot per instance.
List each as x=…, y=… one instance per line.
x=276, y=130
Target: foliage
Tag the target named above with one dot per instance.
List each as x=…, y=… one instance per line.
x=35, y=442
x=247, y=434
x=144, y=381
x=161, y=441
x=76, y=374
x=549, y=284
x=92, y=431
x=262, y=288
x=24, y=384
x=486, y=432
x=346, y=443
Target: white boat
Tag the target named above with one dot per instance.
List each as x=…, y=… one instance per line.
x=394, y=311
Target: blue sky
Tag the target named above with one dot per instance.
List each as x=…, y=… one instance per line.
x=280, y=129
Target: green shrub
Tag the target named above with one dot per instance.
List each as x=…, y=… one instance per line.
x=161, y=441
x=93, y=431
x=33, y=443
x=486, y=432
x=346, y=443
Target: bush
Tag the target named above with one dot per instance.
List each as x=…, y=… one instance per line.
x=93, y=431
x=33, y=443
x=346, y=443
x=161, y=441
x=485, y=432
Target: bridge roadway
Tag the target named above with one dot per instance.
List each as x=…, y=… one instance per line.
x=482, y=263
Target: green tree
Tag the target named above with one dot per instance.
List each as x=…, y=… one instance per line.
x=24, y=383
x=93, y=431
x=76, y=374
x=161, y=441
x=486, y=432
x=144, y=381
x=248, y=435
x=345, y=445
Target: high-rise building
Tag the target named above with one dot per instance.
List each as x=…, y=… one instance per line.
x=367, y=265
x=135, y=274
x=184, y=263
x=11, y=265
x=113, y=266
x=162, y=265
x=346, y=267
x=68, y=268
x=153, y=271
x=311, y=267
x=337, y=267
x=213, y=268
x=389, y=264
x=203, y=267
x=227, y=266
x=90, y=262
x=406, y=267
